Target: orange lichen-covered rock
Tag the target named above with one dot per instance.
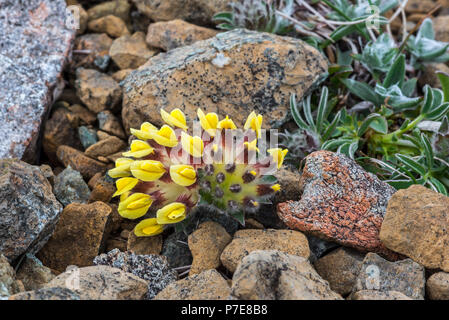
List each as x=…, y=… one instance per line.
x=341, y=202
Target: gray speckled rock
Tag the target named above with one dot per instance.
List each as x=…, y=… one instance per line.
x=87, y=136
x=152, y=268
x=70, y=187
x=341, y=202
x=47, y=294
x=405, y=276
x=28, y=209
x=34, y=45
x=274, y=275
x=230, y=74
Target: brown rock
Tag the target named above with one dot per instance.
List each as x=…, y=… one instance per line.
x=441, y=27
x=419, y=6
x=97, y=90
x=105, y=147
x=33, y=274
x=118, y=8
x=212, y=74
x=91, y=51
x=206, y=244
x=102, y=135
x=378, y=295
x=59, y=131
x=8, y=284
x=341, y=268
x=429, y=75
x=121, y=74
x=438, y=286
x=101, y=283
x=275, y=275
x=416, y=225
x=405, y=276
x=93, y=181
x=176, y=33
x=78, y=161
x=251, y=223
x=144, y=245
x=289, y=181
x=130, y=52
x=79, y=236
x=208, y=285
x=110, y=124
x=111, y=25
x=201, y=13
x=246, y=241
x=115, y=243
x=103, y=190
x=341, y=202
x=85, y=115
x=48, y=173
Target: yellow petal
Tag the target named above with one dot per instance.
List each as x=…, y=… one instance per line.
x=166, y=137
x=278, y=155
x=147, y=170
x=176, y=118
x=139, y=149
x=254, y=122
x=124, y=184
x=252, y=146
x=193, y=145
x=226, y=123
x=135, y=206
x=208, y=122
x=171, y=213
x=148, y=227
x=276, y=187
x=121, y=168
x=145, y=131
x=182, y=174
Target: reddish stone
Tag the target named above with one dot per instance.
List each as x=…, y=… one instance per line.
x=78, y=161
x=341, y=202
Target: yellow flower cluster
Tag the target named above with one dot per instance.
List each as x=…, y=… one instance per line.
x=141, y=165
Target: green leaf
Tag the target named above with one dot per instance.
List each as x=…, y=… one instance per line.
x=225, y=26
x=396, y=74
x=380, y=125
x=400, y=184
x=331, y=128
x=444, y=80
x=412, y=164
x=239, y=216
x=437, y=185
x=428, y=152
x=363, y=91
x=439, y=112
x=296, y=113
x=366, y=123
x=409, y=86
x=322, y=106
x=227, y=17
x=308, y=112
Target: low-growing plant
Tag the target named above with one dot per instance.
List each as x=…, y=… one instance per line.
x=168, y=173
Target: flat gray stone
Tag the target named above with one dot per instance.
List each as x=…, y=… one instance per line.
x=34, y=45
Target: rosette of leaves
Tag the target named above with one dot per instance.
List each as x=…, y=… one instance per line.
x=424, y=48
x=257, y=15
